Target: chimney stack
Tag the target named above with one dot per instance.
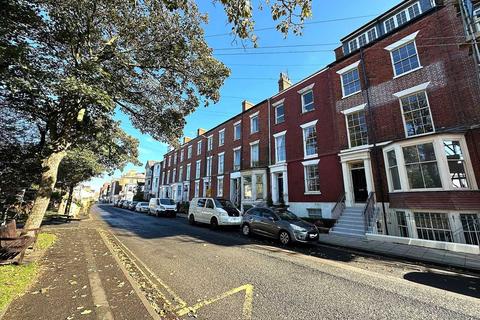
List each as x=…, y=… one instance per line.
x=246, y=105
x=200, y=131
x=284, y=82
x=186, y=139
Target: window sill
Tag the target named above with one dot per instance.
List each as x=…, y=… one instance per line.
x=419, y=135
x=310, y=156
x=408, y=72
x=308, y=111
x=351, y=94
x=311, y=193
x=254, y=132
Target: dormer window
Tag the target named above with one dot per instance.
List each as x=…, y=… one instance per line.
x=402, y=17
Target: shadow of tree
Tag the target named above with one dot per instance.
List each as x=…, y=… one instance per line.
x=466, y=285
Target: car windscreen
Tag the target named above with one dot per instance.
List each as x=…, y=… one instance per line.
x=168, y=202
x=286, y=215
x=143, y=203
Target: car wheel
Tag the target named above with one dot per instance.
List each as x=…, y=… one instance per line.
x=246, y=230
x=214, y=223
x=284, y=237
x=191, y=219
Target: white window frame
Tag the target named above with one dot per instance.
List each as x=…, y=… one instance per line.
x=410, y=91
x=174, y=175
x=210, y=143
x=221, y=137
x=188, y=172
x=199, y=148
x=441, y=159
x=198, y=172
x=168, y=177
x=197, y=188
x=180, y=173
x=350, y=111
x=220, y=178
x=407, y=13
x=182, y=156
x=252, y=145
x=278, y=135
x=305, y=165
x=208, y=172
x=189, y=151
x=305, y=126
x=235, y=125
x=349, y=68
x=277, y=105
x=400, y=43
x=221, y=168
x=252, y=117
x=239, y=149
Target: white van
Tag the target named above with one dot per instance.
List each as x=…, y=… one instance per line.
x=216, y=212
x=162, y=207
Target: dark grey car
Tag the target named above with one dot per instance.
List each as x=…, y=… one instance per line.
x=279, y=224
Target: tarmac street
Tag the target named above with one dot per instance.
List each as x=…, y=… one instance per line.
x=222, y=275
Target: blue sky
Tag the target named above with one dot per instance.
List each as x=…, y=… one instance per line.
x=254, y=72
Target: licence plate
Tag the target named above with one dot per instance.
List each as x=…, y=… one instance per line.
x=313, y=235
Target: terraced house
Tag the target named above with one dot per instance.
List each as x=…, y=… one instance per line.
x=385, y=139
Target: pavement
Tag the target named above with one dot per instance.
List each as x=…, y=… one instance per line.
x=433, y=256
x=79, y=279
x=222, y=275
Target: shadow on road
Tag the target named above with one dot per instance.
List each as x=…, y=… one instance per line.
x=150, y=227
x=466, y=285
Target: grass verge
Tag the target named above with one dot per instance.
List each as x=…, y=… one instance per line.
x=14, y=280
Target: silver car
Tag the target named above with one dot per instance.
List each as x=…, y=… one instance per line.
x=278, y=223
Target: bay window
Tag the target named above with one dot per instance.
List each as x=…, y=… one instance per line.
x=421, y=165
x=247, y=187
x=456, y=163
x=433, y=162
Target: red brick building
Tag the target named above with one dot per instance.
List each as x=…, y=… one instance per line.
x=386, y=139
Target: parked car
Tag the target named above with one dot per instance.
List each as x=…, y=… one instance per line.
x=278, y=223
x=116, y=202
x=213, y=211
x=125, y=204
x=119, y=203
x=142, y=207
x=163, y=207
x=132, y=205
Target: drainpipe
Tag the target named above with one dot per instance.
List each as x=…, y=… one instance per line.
x=269, y=190
x=370, y=123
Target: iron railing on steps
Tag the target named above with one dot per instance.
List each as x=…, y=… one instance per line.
x=339, y=206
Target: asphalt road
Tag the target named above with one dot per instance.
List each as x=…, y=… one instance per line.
x=224, y=275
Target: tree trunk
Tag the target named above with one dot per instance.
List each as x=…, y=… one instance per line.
x=47, y=183
x=69, y=200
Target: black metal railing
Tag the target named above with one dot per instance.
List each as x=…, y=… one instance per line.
x=369, y=215
x=339, y=206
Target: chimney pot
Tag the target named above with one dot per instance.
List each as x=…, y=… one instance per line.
x=186, y=139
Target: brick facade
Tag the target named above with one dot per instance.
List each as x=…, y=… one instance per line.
x=446, y=74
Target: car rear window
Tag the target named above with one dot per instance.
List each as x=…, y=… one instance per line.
x=201, y=203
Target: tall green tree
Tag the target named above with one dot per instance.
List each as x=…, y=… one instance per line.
x=67, y=67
